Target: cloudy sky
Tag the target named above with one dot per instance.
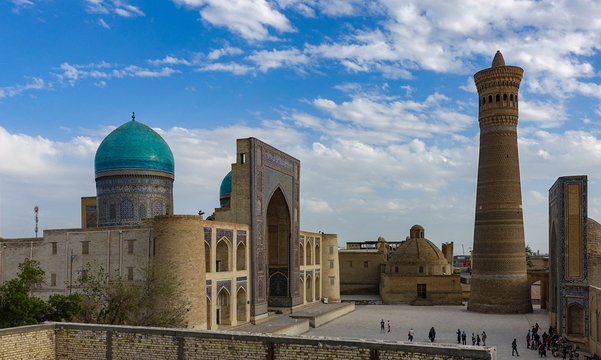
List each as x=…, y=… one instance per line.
x=375, y=98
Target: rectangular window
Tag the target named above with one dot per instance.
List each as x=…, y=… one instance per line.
x=331, y=250
x=52, y=279
x=85, y=247
x=365, y=264
x=54, y=248
x=242, y=158
x=331, y=280
x=331, y=264
x=130, y=274
x=130, y=246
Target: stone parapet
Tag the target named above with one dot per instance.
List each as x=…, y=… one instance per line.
x=84, y=341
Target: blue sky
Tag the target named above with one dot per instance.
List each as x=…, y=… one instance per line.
x=375, y=98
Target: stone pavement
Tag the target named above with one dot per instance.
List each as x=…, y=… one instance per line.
x=364, y=323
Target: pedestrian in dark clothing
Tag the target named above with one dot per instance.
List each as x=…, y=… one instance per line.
x=458, y=336
x=528, y=339
x=382, y=325
x=478, y=339
x=473, y=339
x=483, y=338
x=514, y=347
x=463, y=337
x=432, y=334
x=388, y=325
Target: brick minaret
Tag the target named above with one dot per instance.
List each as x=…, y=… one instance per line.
x=499, y=280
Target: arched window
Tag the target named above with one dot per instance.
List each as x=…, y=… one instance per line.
x=498, y=98
x=142, y=212
x=504, y=97
x=511, y=97
x=126, y=210
x=241, y=257
x=222, y=255
x=421, y=269
x=157, y=208
x=483, y=100
x=207, y=258
x=489, y=98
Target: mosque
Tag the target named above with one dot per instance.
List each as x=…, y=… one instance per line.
x=245, y=260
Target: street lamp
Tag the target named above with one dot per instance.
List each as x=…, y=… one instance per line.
x=73, y=256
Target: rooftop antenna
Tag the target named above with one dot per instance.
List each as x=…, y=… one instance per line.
x=36, y=210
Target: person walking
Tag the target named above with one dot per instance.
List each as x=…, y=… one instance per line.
x=463, y=337
x=514, y=347
x=528, y=339
x=458, y=336
x=478, y=339
x=432, y=334
x=388, y=325
x=473, y=339
x=411, y=334
x=483, y=338
x=382, y=325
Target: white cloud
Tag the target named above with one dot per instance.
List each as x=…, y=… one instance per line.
x=250, y=19
x=71, y=73
x=316, y=206
x=273, y=59
x=118, y=7
x=225, y=51
x=103, y=23
x=35, y=84
x=237, y=69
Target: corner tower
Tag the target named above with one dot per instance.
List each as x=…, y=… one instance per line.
x=499, y=280
x=134, y=176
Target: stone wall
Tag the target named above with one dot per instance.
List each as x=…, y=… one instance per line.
x=440, y=290
x=355, y=276
x=28, y=342
x=81, y=341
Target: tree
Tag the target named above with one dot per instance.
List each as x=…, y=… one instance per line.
x=155, y=300
x=18, y=307
x=529, y=253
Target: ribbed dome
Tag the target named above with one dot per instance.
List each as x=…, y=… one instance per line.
x=225, y=190
x=134, y=146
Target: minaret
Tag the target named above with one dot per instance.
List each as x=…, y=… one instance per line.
x=499, y=281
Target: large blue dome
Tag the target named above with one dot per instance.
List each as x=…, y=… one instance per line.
x=134, y=146
x=225, y=190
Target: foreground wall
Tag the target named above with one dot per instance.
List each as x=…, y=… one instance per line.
x=80, y=341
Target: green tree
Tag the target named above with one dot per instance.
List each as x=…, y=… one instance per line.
x=155, y=300
x=529, y=253
x=18, y=307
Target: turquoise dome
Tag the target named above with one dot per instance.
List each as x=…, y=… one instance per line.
x=134, y=145
x=225, y=191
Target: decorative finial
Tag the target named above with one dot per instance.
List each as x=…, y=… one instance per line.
x=133, y=116
x=498, y=60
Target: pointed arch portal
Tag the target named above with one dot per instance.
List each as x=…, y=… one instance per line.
x=278, y=250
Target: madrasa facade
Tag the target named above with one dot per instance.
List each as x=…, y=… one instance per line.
x=245, y=260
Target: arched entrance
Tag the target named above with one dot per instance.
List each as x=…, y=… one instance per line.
x=241, y=305
x=309, y=291
x=278, y=250
x=223, y=307
x=317, y=288
x=575, y=319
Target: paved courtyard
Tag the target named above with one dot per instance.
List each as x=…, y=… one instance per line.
x=364, y=323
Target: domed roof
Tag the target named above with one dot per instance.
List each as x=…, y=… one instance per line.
x=134, y=145
x=225, y=190
x=226, y=185
x=418, y=251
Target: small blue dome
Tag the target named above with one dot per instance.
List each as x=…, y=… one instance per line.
x=225, y=191
x=134, y=145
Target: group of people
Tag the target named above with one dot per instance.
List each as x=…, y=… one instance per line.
x=476, y=338
x=534, y=341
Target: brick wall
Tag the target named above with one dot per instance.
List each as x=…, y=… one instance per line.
x=91, y=342
x=28, y=342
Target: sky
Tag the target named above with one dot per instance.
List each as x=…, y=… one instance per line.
x=375, y=98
